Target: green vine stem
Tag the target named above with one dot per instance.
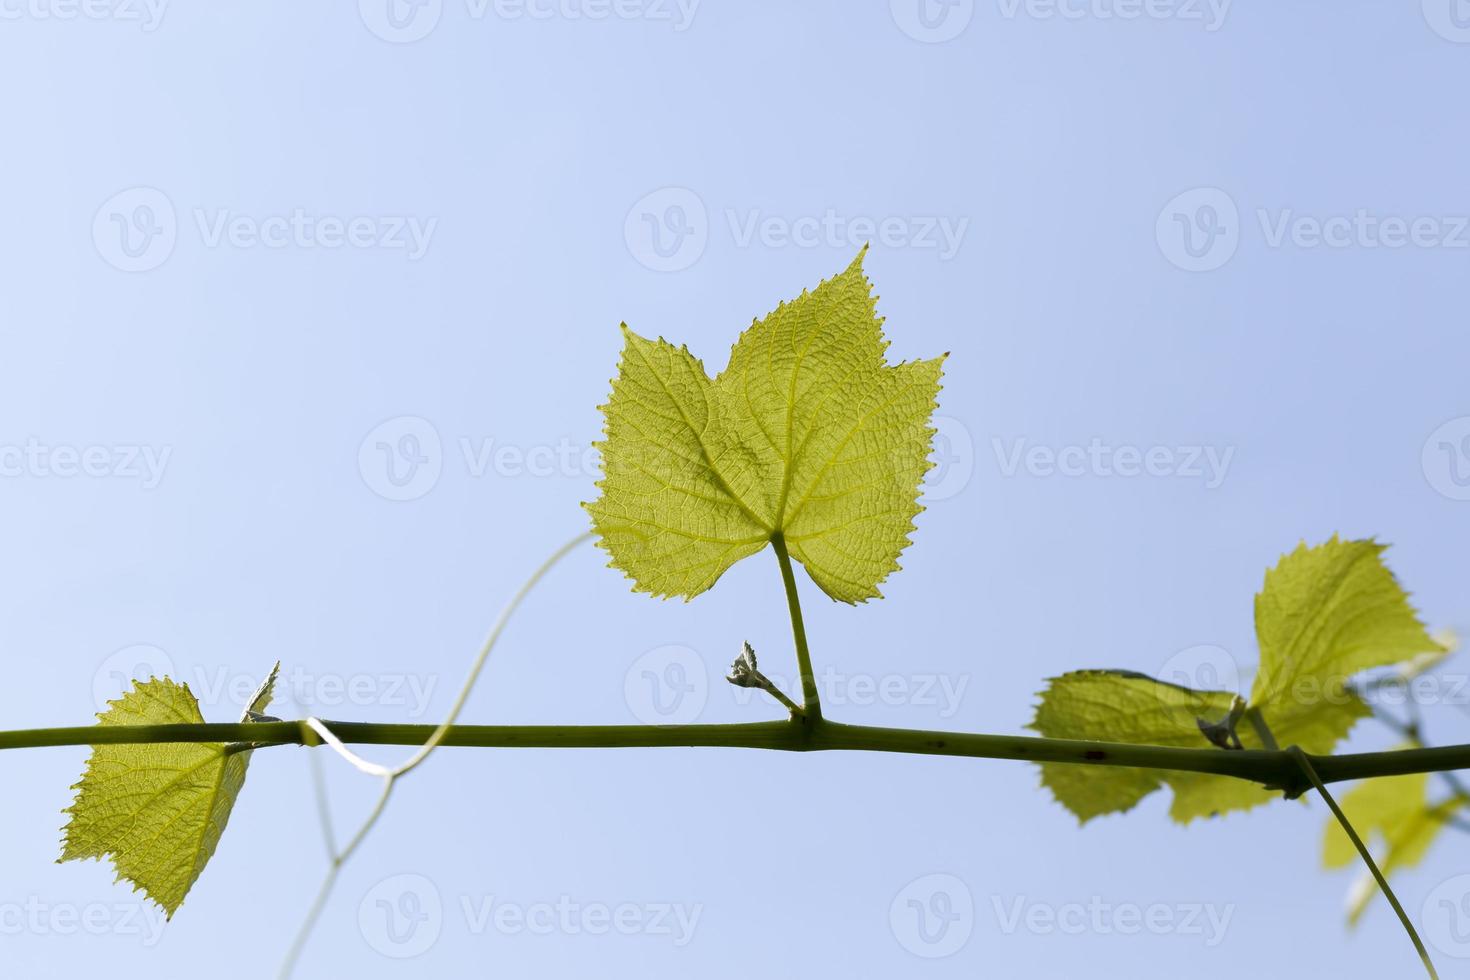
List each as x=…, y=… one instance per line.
x=811, y=704
x=1305, y=764
x=1277, y=769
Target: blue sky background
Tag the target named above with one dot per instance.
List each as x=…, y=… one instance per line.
x=684, y=169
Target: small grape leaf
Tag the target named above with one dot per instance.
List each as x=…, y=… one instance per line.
x=1324, y=614
x=158, y=810
x=808, y=433
x=1395, y=810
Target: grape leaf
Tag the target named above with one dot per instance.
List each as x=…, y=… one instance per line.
x=1324, y=614
x=1327, y=613
x=1129, y=707
x=158, y=809
x=1394, y=809
x=808, y=433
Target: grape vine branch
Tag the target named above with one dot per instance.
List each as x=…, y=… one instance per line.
x=812, y=443
x=1274, y=769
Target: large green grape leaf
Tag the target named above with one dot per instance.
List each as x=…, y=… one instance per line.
x=808, y=433
x=158, y=810
x=1324, y=615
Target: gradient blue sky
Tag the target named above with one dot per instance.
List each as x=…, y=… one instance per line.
x=207, y=257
